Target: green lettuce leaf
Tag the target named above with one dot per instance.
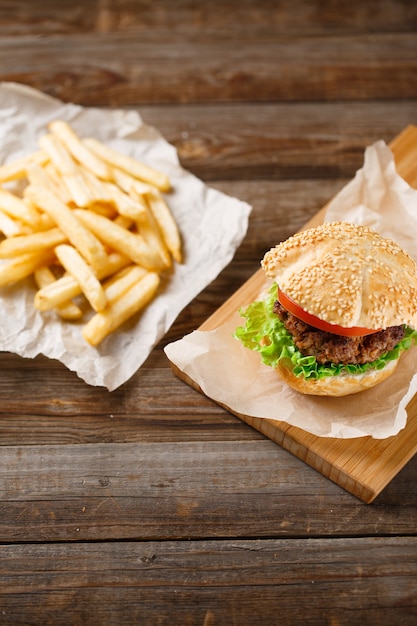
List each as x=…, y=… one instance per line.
x=264, y=332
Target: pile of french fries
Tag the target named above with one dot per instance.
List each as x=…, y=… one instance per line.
x=91, y=225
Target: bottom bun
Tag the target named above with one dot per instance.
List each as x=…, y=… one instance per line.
x=343, y=385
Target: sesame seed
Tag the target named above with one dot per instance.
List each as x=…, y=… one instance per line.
x=347, y=274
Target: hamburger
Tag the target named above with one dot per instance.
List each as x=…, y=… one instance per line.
x=340, y=311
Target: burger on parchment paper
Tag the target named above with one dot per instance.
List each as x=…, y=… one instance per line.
x=341, y=310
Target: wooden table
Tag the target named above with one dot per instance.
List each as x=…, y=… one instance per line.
x=152, y=504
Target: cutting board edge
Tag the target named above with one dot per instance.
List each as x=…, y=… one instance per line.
x=286, y=435
x=284, y=438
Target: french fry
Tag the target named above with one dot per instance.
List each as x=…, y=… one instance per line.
x=122, y=309
x=124, y=180
x=166, y=223
x=65, y=288
x=68, y=310
x=119, y=283
x=83, y=239
x=8, y=226
x=152, y=235
x=56, y=178
x=66, y=166
x=124, y=222
x=98, y=189
x=57, y=293
x=120, y=239
x=17, y=169
x=148, y=228
x=79, y=150
x=126, y=205
x=38, y=175
x=58, y=154
x=15, y=207
x=75, y=265
x=134, y=185
x=13, y=270
x=108, y=210
x=130, y=185
x=78, y=189
x=128, y=164
x=45, y=221
x=35, y=242
x=87, y=221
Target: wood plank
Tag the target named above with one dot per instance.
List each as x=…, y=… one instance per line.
x=363, y=466
x=152, y=504
x=188, y=582
x=230, y=19
x=278, y=141
x=53, y=406
x=162, y=490
x=124, y=69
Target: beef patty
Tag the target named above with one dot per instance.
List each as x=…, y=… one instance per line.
x=327, y=347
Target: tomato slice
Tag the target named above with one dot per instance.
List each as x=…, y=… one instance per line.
x=312, y=320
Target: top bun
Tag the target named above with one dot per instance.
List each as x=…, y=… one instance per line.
x=348, y=275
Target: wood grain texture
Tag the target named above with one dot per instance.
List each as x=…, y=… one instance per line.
x=280, y=141
x=363, y=466
x=120, y=69
x=249, y=18
x=152, y=504
x=126, y=53
x=180, y=490
x=214, y=582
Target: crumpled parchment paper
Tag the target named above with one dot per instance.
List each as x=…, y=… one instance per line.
x=212, y=226
x=235, y=377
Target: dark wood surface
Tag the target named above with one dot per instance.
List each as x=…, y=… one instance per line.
x=151, y=504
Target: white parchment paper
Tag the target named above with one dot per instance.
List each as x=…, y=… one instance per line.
x=234, y=376
x=212, y=226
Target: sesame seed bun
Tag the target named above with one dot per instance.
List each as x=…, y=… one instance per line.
x=348, y=275
x=336, y=386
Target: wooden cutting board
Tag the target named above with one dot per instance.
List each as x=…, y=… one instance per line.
x=363, y=466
